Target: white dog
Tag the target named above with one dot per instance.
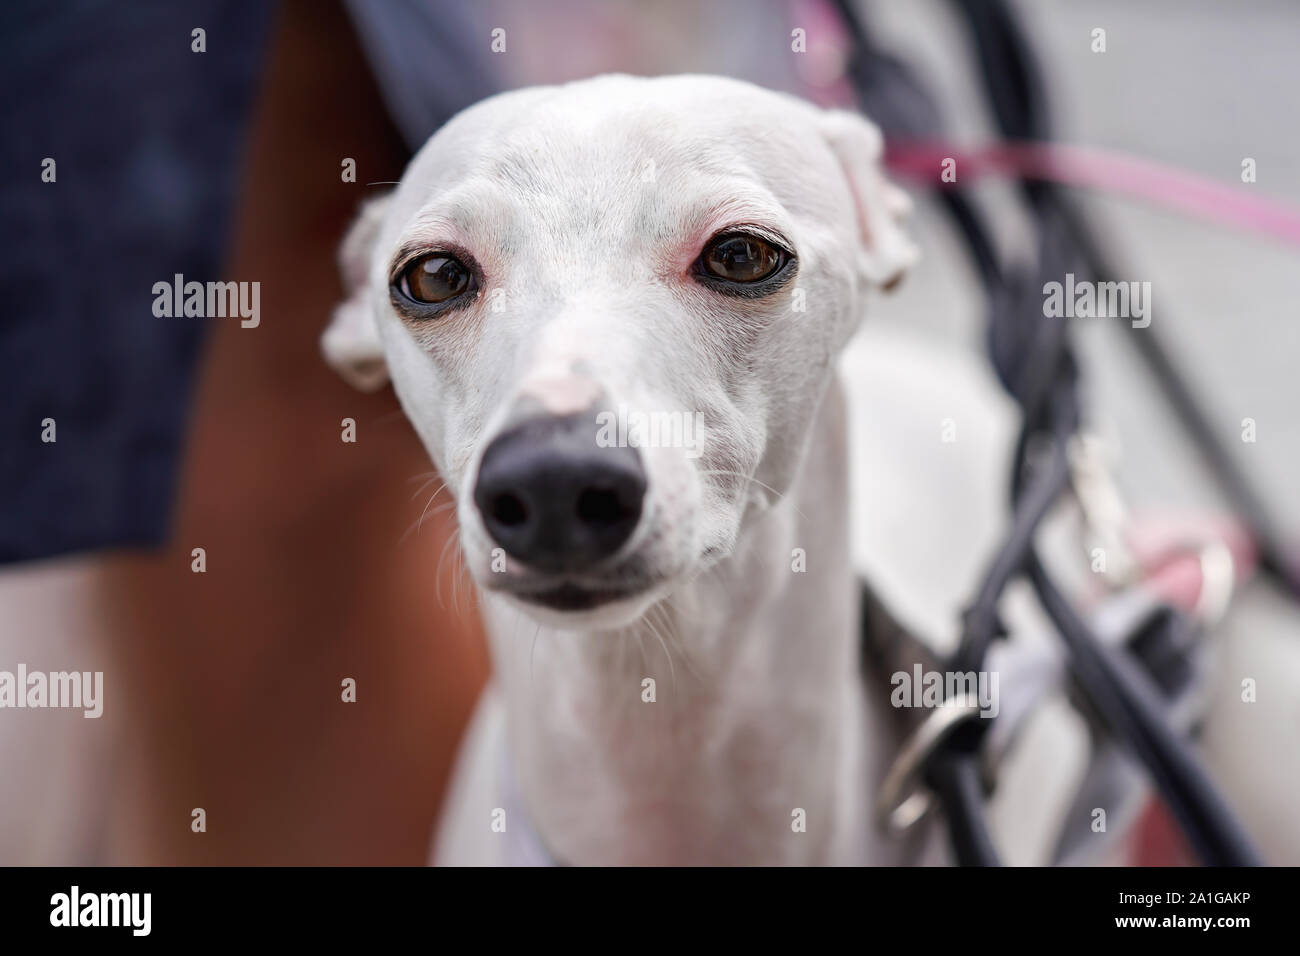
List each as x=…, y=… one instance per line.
x=673, y=621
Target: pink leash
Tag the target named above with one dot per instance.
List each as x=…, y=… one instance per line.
x=1099, y=169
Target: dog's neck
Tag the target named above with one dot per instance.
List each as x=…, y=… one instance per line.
x=752, y=748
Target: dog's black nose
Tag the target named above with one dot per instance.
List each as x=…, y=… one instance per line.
x=554, y=498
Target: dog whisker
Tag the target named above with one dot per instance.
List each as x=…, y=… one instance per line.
x=437, y=575
x=460, y=572
x=640, y=642
x=669, y=617
x=387, y=419
x=672, y=671
x=532, y=654
x=428, y=481
x=419, y=522
x=749, y=478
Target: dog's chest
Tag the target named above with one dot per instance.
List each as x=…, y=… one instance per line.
x=644, y=752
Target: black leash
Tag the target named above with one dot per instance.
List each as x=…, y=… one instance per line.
x=1034, y=361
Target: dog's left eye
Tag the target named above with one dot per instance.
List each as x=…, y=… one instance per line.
x=741, y=257
x=435, y=278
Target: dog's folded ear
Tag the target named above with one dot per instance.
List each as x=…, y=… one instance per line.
x=351, y=342
x=887, y=252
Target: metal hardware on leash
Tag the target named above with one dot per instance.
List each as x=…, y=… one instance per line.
x=1038, y=368
x=1104, y=513
x=1218, y=582
x=1104, y=516
x=1218, y=576
x=903, y=801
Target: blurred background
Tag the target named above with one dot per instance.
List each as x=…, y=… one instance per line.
x=222, y=689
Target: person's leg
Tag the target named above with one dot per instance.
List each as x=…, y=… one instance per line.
x=234, y=675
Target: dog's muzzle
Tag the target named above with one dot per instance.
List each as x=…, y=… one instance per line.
x=557, y=500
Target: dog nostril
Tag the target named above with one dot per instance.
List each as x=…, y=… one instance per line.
x=554, y=499
x=601, y=506
x=508, y=509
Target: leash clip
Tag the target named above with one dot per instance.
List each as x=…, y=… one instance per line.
x=1102, y=505
x=903, y=801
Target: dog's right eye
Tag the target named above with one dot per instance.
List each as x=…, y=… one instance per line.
x=435, y=278
x=741, y=258
x=742, y=263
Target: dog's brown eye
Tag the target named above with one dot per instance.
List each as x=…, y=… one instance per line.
x=435, y=278
x=741, y=258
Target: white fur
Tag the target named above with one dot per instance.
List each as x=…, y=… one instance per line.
x=586, y=206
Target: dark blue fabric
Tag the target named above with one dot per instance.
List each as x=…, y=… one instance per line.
x=147, y=137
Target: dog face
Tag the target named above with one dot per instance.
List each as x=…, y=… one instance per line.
x=610, y=309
